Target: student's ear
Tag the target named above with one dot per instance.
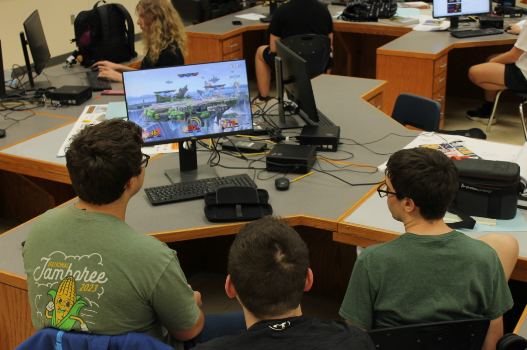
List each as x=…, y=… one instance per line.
x=129, y=183
x=409, y=205
x=229, y=287
x=309, y=280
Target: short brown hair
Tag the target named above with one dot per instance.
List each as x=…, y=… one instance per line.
x=426, y=176
x=102, y=158
x=268, y=264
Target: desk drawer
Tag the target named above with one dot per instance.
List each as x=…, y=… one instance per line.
x=440, y=65
x=232, y=44
x=439, y=82
x=376, y=101
x=236, y=55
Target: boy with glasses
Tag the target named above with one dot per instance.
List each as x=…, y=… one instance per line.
x=87, y=270
x=431, y=273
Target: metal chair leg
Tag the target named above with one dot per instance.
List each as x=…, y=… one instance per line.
x=523, y=120
x=494, y=109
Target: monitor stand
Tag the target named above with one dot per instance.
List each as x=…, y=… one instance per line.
x=32, y=84
x=188, y=165
x=272, y=8
x=454, y=25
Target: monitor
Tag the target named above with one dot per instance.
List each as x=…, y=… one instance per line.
x=38, y=46
x=452, y=9
x=188, y=103
x=2, y=87
x=292, y=76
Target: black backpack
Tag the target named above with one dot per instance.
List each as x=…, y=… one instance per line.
x=368, y=10
x=102, y=34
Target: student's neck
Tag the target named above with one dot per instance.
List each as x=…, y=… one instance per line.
x=250, y=319
x=420, y=226
x=117, y=208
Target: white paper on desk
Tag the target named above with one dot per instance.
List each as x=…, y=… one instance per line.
x=485, y=149
x=251, y=16
x=407, y=12
x=426, y=28
x=166, y=148
x=93, y=114
x=521, y=160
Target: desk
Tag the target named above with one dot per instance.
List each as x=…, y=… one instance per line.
x=313, y=205
x=412, y=62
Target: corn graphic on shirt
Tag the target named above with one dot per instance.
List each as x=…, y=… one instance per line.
x=91, y=272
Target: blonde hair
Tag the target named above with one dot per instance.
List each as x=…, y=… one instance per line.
x=165, y=27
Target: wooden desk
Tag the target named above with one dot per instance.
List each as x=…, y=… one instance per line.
x=201, y=244
x=412, y=62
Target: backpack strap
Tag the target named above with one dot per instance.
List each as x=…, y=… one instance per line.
x=467, y=221
x=105, y=27
x=130, y=31
x=97, y=3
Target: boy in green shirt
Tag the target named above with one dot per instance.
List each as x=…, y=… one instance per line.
x=431, y=273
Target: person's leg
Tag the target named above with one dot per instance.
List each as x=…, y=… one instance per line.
x=507, y=248
x=491, y=77
x=219, y=325
x=263, y=72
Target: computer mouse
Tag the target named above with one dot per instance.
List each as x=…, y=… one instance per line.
x=95, y=69
x=508, y=28
x=281, y=184
x=2, y=133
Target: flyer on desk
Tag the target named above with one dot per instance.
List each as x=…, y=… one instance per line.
x=94, y=114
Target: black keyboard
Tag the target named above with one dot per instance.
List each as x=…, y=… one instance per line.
x=189, y=190
x=98, y=84
x=322, y=119
x=473, y=33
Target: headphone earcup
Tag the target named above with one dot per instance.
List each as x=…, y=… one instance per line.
x=511, y=342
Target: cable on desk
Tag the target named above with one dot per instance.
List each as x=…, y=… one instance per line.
x=367, y=143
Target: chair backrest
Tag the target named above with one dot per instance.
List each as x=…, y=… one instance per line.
x=451, y=335
x=417, y=111
x=315, y=49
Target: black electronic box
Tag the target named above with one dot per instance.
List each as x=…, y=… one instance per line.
x=70, y=95
x=506, y=12
x=326, y=138
x=298, y=159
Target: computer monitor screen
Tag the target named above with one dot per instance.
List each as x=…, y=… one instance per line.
x=446, y=8
x=189, y=102
x=296, y=82
x=37, y=41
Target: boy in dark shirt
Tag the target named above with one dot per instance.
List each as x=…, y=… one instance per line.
x=268, y=273
x=297, y=17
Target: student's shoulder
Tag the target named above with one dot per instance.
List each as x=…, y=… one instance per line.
x=382, y=248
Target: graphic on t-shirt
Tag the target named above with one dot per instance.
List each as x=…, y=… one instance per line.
x=65, y=306
x=75, y=283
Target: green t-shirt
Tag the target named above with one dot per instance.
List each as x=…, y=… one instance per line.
x=92, y=272
x=415, y=279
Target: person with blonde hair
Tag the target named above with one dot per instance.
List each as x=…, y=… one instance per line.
x=164, y=39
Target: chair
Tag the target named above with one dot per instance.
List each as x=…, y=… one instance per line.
x=315, y=49
x=54, y=339
x=425, y=114
x=451, y=335
x=521, y=95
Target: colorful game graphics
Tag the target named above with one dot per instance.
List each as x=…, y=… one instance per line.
x=454, y=149
x=209, y=101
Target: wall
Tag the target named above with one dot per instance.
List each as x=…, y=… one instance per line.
x=55, y=17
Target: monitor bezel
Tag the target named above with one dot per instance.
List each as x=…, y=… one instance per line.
x=201, y=137
x=31, y=43
x=459, y=14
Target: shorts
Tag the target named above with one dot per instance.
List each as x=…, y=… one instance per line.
x=269, y=56
x=514, y=78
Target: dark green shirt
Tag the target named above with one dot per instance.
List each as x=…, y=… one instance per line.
x=415, y=279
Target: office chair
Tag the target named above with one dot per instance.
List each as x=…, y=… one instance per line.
x=315, y=49
x=425, y=114
x=521, y=95
x=451, y=335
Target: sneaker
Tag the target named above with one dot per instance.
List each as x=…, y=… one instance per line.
x=261, y=99
x=479, y=116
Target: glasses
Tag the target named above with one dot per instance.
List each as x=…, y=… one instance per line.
x=383, y=193
x=146, y=157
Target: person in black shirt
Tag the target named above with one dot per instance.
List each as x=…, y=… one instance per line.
x=296, y=17
x=163, y=36
x=268, y=273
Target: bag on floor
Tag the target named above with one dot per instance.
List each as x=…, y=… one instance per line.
x=368, y=10
x=104, y=33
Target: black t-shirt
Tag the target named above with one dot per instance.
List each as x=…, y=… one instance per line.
x=294, y=333
x=299, y=17
x=169, y=57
